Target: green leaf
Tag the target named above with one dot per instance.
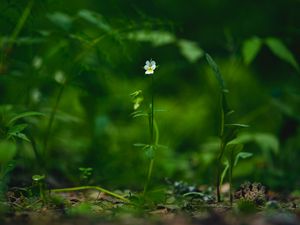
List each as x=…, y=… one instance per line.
x=17, y=128
x=21, y=40
x=135, y=114
x=266, y=141
x=156, y=38
x=61, y=19
x=231, y=132
x=7, y=151
x=232, y=150
x=216, y=71
x=150, y=151
x=281, y=51
x=250, y=49
x=141, y=145
x=190, y=50
x=94, y=18
x=22, y=115
x=38, y=178
x=239, y=125
x=242, y=155
x=224, y=172
x=21, y=136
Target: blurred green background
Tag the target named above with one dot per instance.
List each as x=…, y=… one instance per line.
x=83, y=59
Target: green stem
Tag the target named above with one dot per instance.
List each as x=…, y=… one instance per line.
x=148, y=176
x=16, y=31
x=230, y=186
x=152, y=141
x=222, y=149
x=152, y=109
x=219, y=164
x=90, y=187
x=230, y=177
x=21, y=23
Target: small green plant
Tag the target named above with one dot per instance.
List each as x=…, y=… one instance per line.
x=38, y=182
x=11, y=130
x=230, y=148
x=153, y=145
x=85, y=174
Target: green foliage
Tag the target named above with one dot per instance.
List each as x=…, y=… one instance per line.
x=245, y=207
x=95, y=19
x=190, y=50
x=250, y=49
x=7, y=151
x=81, y=209
x=85, y=174
x=252, y=46
x=217, y=73
x=281, y=51
x=38, y=178
x=60, y=19
x=156, y=38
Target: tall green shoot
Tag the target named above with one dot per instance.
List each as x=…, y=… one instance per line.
x=153, y=129
x=229, y=147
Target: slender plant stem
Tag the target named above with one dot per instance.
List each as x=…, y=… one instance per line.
x=222, y=149
x=21, y=23
x=152, y=110
x=16, y=31
x=230, y=177
x=152, y=141
x=91, y=187
x=148, y=176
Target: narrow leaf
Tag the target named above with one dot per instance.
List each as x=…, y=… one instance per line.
x=237, y=125
x=242, y=155
x=281, y=51
x=94, y=18
x=190, y=50
x=216, y=71
x=250, y=49
x=25, y=114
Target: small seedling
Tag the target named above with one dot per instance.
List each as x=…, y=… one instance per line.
x=85, y=174
x=38, y=181
x=229, y=146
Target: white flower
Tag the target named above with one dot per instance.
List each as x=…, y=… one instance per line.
x=150, y=67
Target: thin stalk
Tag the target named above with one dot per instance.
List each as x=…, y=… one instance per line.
x=222, y=148
x=16, y=32
x=230, y=177
x=152, y=109
x=152, y=141
x=148, y=176
x=91, y=187
x=20, y=23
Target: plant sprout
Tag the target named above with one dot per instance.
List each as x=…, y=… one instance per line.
x=39, y=182
x=229, y=145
